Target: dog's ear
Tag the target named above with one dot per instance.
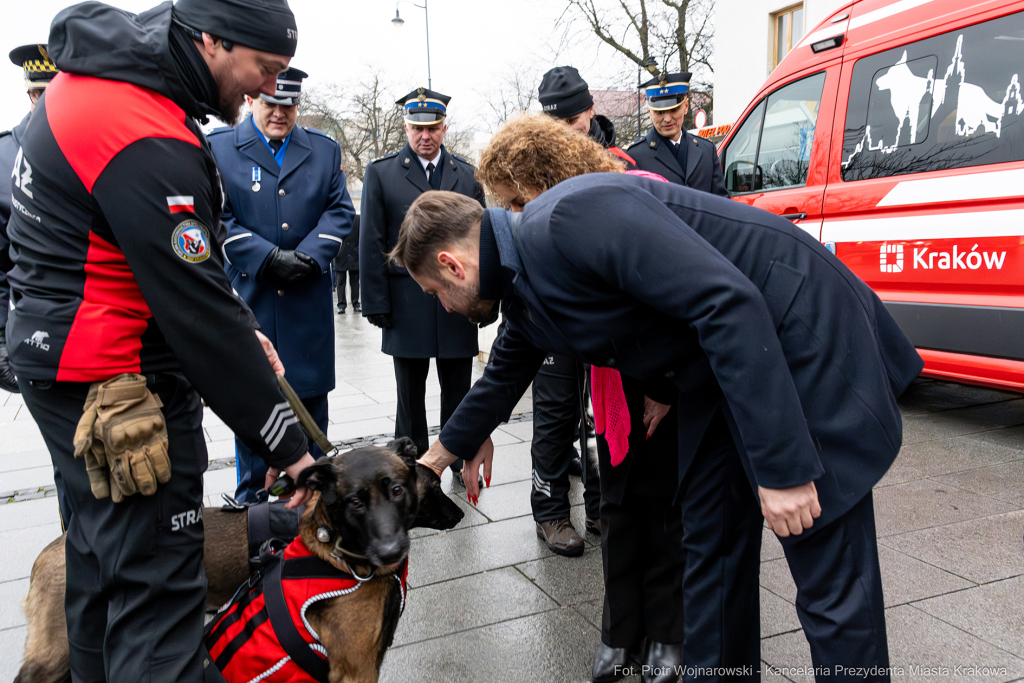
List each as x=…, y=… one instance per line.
x=405, y=449
x=319, y=476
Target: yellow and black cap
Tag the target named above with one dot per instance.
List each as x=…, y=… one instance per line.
x=289, y=87
x=34, y=59
x=424, y=107
x=667, y=91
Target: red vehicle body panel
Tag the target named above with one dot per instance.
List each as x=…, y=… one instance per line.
x=944, y=248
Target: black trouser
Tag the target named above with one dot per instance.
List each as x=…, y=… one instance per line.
x=353, y=283
x=455, y=375
x=136, y=589
x=643, y=571
x=835, y=568
x=556, y=424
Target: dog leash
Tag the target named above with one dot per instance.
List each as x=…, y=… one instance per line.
x=285, y=484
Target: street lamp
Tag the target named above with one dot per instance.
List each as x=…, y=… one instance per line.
x=398, y=21
x=651, y=65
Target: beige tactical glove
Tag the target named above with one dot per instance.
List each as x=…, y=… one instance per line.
x=123, y=431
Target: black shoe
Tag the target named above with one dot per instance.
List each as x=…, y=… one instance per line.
x=611, y=664
x=593, y=526
x=662, y=662
x=356, y=307
x=576, y=467
x=341, y=310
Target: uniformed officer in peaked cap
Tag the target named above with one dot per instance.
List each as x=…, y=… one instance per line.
x=287, y=212
x=415, y=326
x=668, y=149
x=39, y=71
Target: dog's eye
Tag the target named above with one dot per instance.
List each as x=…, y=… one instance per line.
x=356, y=504
x=396, y=491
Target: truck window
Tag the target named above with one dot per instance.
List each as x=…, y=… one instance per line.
x=777, y=154
x=741, y=155
x=950, y=101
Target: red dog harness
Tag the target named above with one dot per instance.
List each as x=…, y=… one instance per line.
x=263, y=635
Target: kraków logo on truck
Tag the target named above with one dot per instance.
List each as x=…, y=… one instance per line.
x=890, y=258
x=927, y=258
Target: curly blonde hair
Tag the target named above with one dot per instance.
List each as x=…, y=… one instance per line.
x=534, y=152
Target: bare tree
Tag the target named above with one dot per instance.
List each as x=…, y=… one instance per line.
x=363, y=119
x=679, y=34
x=515, y=93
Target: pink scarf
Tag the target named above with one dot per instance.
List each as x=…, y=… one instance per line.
x=611, y=414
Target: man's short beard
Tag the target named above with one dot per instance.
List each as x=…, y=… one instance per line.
x=467, y=301
x=230, y=112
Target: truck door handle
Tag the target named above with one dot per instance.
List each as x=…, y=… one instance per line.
x=794, y=216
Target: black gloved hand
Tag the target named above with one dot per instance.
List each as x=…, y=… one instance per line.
x=381, y=320
x=8, y=382
x=287, y=267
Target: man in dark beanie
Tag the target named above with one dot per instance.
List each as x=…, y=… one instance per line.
x=124, y=318
x=565, y=95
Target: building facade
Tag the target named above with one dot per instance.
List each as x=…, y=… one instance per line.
x=751, y=38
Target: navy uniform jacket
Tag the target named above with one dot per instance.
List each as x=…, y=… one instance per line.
x=10, y=143
x=739, y=308
x=420, y=327
x=703, y=170
x=309, y=196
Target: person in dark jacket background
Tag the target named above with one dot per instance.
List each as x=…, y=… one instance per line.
x=415, y=326
x=287, y=213
x=787, y=366
x=39, y=70
x=118, y=283
x=668, y=149
x=346, y=264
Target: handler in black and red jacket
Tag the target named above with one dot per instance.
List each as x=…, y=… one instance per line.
x=118, y=268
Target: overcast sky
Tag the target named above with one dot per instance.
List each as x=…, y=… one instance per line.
x=472, y=44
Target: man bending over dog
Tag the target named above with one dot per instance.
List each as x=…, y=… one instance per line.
x=787, y=366
x=122, y=315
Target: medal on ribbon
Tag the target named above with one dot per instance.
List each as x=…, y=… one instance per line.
x=257, y=175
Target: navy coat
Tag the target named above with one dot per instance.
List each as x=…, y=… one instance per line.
x=703, y=170
x=10, y=143
x=737, y=307
x=309, y=196
x=420, y=327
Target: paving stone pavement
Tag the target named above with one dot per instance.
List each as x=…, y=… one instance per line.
x=488, y=602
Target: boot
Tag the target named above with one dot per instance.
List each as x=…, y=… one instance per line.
x=561, y=537
x=611, y=664
x=662, y=662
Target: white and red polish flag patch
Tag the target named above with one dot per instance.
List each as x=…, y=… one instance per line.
x=181, y=204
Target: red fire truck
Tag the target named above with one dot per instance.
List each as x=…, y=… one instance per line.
x=894, y=133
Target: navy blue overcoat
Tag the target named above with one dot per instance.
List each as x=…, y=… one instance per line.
x=740, y=309
x=304, y=206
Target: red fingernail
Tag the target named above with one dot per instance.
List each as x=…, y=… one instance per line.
x=647, y=437
x=488, y=482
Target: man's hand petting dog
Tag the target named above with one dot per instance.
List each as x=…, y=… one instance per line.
x=439, y=457
x=301, y=494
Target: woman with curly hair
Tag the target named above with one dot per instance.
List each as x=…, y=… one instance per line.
x=641, y=537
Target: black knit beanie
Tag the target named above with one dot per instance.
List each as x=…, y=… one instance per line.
x=265, y=25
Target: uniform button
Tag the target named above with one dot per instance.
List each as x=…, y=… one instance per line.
x=670, y=374
x=280, y=292
x=244, y=275
x=284, y=226
x=281, y=192
x=610, y=363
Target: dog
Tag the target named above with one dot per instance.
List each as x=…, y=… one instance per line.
x=367, y=499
